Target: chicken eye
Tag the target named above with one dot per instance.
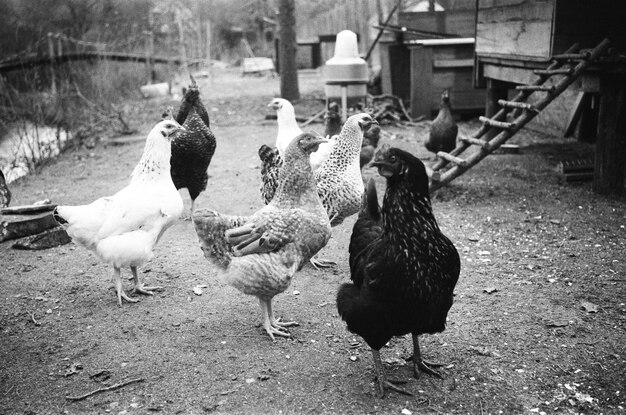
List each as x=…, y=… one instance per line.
x=393, y=159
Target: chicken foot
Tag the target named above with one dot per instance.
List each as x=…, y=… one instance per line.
x=269, y=322
x=117, y=284
x=383, y=383
x=420, y=364
x=277, y=322
x=321, y=263
x=139, y=287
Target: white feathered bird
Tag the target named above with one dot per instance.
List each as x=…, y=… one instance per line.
x=123, y=229
x=288, y=129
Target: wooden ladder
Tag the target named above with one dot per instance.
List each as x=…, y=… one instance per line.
x=570, y=64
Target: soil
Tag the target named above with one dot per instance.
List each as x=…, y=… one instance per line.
x=538, y=324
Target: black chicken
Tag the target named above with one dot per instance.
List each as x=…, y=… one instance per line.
x=402, y=267
x=443, y=130
x=5, y=193
x=193, y=149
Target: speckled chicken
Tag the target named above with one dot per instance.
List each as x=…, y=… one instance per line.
x=443, y=130
x=5, y=193
x=260, y=254
x=123, y=229
x=192, y=150
x=339, y=181
x=403, y=268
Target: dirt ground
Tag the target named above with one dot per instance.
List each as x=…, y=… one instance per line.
x=538, y=324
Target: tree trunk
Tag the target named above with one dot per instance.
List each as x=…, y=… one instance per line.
x=287, y=52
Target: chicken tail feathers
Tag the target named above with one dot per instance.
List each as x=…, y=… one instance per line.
x=211, y=227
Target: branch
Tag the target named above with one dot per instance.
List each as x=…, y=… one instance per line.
x=108, y=388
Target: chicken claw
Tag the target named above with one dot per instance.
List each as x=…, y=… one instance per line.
x=383, y=383
x=140, y=289
x=321, y=263
x=420, y=364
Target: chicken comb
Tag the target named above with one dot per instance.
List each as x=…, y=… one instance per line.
x=193, y=82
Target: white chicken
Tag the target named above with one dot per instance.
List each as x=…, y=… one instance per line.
x=123, y=229
x=288, y=129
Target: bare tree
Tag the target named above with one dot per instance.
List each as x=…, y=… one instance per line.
x=287, y=52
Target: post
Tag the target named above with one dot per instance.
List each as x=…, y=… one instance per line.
x=610, y=164
x=181, y=41
x=208, y=49
x=53, y=84
x=150, y=47
x=287, y=32
x=496, y=90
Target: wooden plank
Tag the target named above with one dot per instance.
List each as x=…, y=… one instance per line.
x=421, y=81
x=18, y=226
x=523, y=28
x=453, y=63
x=27, y=209
x=385, y=67
x=458, y=22
x=574, y=115
x=44, y=240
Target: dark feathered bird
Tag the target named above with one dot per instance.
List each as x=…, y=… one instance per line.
x=403, y=268
x=5, y=193
x=443, y=130
x=192, y=150
x=271, y=162
x=371, y=136
x=332, y=120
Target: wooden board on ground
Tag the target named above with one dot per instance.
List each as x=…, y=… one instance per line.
x=19, y=226
x=45, y=240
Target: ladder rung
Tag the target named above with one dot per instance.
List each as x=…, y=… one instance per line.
x=477, y=142
x=516, y=104
x=559, y=71
x=434, y=175
x=498, y=124
x=572, y=56
x=547, y=88
x=452, y=159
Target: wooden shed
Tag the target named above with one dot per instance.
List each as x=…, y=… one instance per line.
x=515, y=37
x=433, y=51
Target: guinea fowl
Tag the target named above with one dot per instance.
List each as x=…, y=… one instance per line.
x=443, y=130
x=123, y=229
x=5, y=193
x=192, y=149
x=260, y=254
x=403, y=268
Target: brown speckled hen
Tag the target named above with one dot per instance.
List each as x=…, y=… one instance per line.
x=403, y=268
x=192, y=150
x=260, y=254
x=443, y=130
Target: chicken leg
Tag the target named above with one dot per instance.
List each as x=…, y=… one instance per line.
x=421, y=364
x=321, y=263
x=117, y=284
x=383, y=383
x=270, y=324
x=139, y=287
x=276, y=322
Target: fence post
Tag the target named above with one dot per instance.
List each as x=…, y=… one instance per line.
x=53, y=85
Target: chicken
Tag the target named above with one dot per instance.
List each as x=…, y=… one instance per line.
x=5, y=193
x=260, y=254
x=339, y=181
x=443, y=130
x=271, y=162
x=332, y=120
x=403, y=268
x=288, y=129
x=192, y=150
x=371, y=136
x=124, y=228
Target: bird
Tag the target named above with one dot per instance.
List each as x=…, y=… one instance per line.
x=123, y=229
x=371, y=136
x=260, y=254
x=193, y=148
x=271, y=162
x=332, y=120
x=5, y=193
x=443, y=130
x=339, y=181
x=288, y=129
x=403, y=268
